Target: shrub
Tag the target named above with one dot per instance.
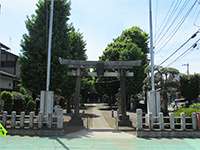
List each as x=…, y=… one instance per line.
x=28, y=98
x=62, y=102
x=19, y=102
x=31, y=106
x=195, y=105
x=23, y=91
x=188, y=111
x=7, y=98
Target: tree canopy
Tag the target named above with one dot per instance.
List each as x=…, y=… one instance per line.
x=190, y=86
x=132, y=44
x=66, y=43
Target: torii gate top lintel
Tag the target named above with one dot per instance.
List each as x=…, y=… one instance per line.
x=93, y=64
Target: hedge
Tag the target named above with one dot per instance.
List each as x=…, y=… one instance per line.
x=7, y=98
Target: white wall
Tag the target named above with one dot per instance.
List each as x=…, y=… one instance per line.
x=6, y=82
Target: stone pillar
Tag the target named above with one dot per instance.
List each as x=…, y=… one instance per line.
x=150, y=121
x=194, y=121
x=4, y=118
x=22, y=117
x=161, y=121
x=157, y=102
x=171, y=119
x=122, y=99
x=50, y=120
x=60, y=119
x=13, y=119
x=31, y=119
x=153, y=102
x=77, y=91
x=56, y=108
x=46, y=102
x=182, y=121
x=39, y=120
x=139, y=119
x=123, y=117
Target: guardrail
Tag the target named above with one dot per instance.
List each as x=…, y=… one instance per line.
x=165, y=123
x=32, y=121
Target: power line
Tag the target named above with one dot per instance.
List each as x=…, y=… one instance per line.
x=193, y=36
x=197, y=16
x=172, y=23
x=173, y=7
x=181, y=56
x=156, y=17
x=177, y=27
x=185, y=52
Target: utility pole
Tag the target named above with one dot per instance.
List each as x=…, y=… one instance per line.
x=188, y=68
x=47, y=97
x=151, y=46
x=49, y=46
x=153, y=99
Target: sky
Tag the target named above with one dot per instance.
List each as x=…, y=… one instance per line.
x=101, y=21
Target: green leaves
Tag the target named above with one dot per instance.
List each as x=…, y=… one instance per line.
x=66, y=43
x=190, y=86
x=130, y=45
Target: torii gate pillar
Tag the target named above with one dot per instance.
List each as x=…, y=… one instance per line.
x=77, y=91
x=123, y=117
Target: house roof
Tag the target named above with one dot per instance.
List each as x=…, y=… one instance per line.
x=5, y=51
x=4, y=46
x=7, y=74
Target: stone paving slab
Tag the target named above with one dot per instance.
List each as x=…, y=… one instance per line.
x=99, y=121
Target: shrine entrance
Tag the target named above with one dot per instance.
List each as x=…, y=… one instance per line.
x=120, y=69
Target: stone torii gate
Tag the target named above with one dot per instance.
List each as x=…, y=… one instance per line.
x=101, y=66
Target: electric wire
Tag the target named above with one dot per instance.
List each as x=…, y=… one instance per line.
x=193, y=36
x=185, y=52
x=178, y=58
x=156, y=17
x=161, y=36
x=197, y=16
x=176, y=29
x=166, y=19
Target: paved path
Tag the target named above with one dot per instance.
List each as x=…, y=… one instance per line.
x=97, y=121
x=85, y=140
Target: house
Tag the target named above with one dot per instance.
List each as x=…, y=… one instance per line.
x=9, y=69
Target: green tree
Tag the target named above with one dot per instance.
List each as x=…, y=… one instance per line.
x=190, y=86
x=66, y=43
x=108, y=86
x=130, y=45
x=167, y=80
